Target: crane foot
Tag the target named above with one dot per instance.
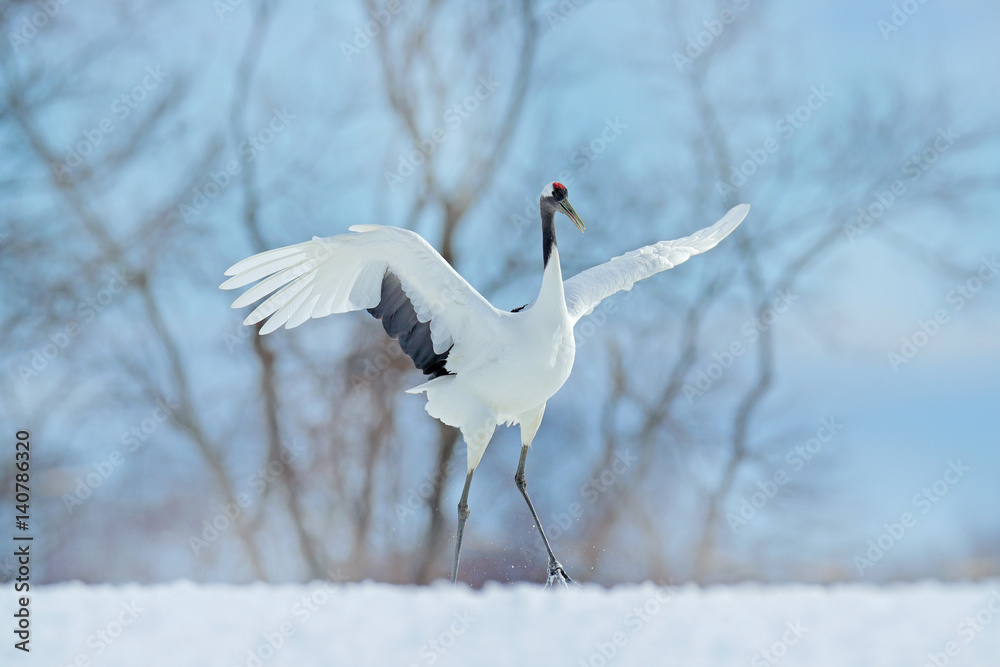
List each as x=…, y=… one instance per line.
x=557, y=575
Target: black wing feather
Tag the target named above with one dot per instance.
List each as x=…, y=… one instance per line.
x=400, y=321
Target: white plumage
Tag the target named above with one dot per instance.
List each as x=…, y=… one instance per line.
x=490, y=367
x=587, y=289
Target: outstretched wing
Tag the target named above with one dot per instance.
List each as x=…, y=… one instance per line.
x=392, y=272
x=588, y=288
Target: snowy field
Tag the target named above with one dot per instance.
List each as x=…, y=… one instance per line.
x=375, y=624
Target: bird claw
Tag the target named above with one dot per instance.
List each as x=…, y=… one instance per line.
x=557, y=575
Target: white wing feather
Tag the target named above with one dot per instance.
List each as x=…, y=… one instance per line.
x=343, y=273
x=588, y=288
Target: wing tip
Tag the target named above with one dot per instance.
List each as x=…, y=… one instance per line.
x=739, y=212
x=728, y=223
x=272, y=324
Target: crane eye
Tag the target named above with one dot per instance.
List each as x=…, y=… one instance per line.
x=558, y=191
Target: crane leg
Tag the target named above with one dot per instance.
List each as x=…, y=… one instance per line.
x=463, y=514
x=556, y=572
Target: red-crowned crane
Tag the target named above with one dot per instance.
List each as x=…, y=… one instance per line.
x=487, y=367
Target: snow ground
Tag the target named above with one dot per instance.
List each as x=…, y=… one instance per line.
x=376, y=624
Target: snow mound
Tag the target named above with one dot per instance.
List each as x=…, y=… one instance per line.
x=376, y=624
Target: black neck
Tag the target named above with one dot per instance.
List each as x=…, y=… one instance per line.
x=548, y=235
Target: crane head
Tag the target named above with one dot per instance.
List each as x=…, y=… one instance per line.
x=555, y=198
